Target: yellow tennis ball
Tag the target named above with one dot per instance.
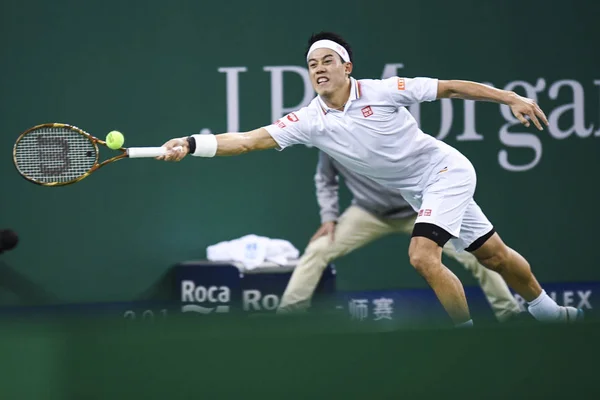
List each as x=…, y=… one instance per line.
x=115, y=140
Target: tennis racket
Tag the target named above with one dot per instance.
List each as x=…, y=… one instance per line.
x=57, y=154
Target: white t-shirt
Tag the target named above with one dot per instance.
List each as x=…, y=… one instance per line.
x=375, y=135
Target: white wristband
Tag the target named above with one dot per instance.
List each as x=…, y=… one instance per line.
x=206, y=145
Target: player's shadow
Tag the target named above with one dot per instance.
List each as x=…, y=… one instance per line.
x=28, y=292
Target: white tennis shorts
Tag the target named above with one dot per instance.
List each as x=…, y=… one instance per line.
x=447, y=201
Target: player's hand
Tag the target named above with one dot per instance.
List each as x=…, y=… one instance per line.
x=174, y=153
x=526, y=109
x=327, y=229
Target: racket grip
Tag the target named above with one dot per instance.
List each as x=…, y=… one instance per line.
x=148, y=152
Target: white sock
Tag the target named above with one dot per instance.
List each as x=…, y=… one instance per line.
x=544, y=308
x=468, y=324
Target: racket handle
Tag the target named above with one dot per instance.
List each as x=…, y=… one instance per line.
x=148, y=152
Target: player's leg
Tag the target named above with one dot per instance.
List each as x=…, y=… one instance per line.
x=494, y=254
x=503, y=303
x=443, y=204
x=516, y=271
x=425, y=256
x=355, y=228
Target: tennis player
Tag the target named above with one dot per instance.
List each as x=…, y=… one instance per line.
x=365, y=126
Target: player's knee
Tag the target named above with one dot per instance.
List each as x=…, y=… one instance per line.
x=423, y=262
x=497, y=260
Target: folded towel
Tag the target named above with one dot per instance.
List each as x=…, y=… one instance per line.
x=253, y=250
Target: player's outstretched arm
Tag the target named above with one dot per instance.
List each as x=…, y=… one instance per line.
x=521, y=107
x=225, y=144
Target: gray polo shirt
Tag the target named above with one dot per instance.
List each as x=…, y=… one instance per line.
x=367, y=194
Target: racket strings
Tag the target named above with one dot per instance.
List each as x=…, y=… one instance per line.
x=54, y=155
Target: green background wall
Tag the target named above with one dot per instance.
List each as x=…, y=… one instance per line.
x=150, y=69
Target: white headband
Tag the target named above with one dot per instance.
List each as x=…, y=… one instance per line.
x=329, y=44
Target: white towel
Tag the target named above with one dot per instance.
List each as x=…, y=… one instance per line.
x=253, y=250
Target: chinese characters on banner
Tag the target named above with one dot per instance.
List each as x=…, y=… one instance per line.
x=378, y=309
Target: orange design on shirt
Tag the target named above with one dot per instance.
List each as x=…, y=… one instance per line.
x=401, y=84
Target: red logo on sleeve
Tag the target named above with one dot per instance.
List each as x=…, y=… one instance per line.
x=401, y=84
x=367, y=112
x=292, y=117
x=279, y=123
